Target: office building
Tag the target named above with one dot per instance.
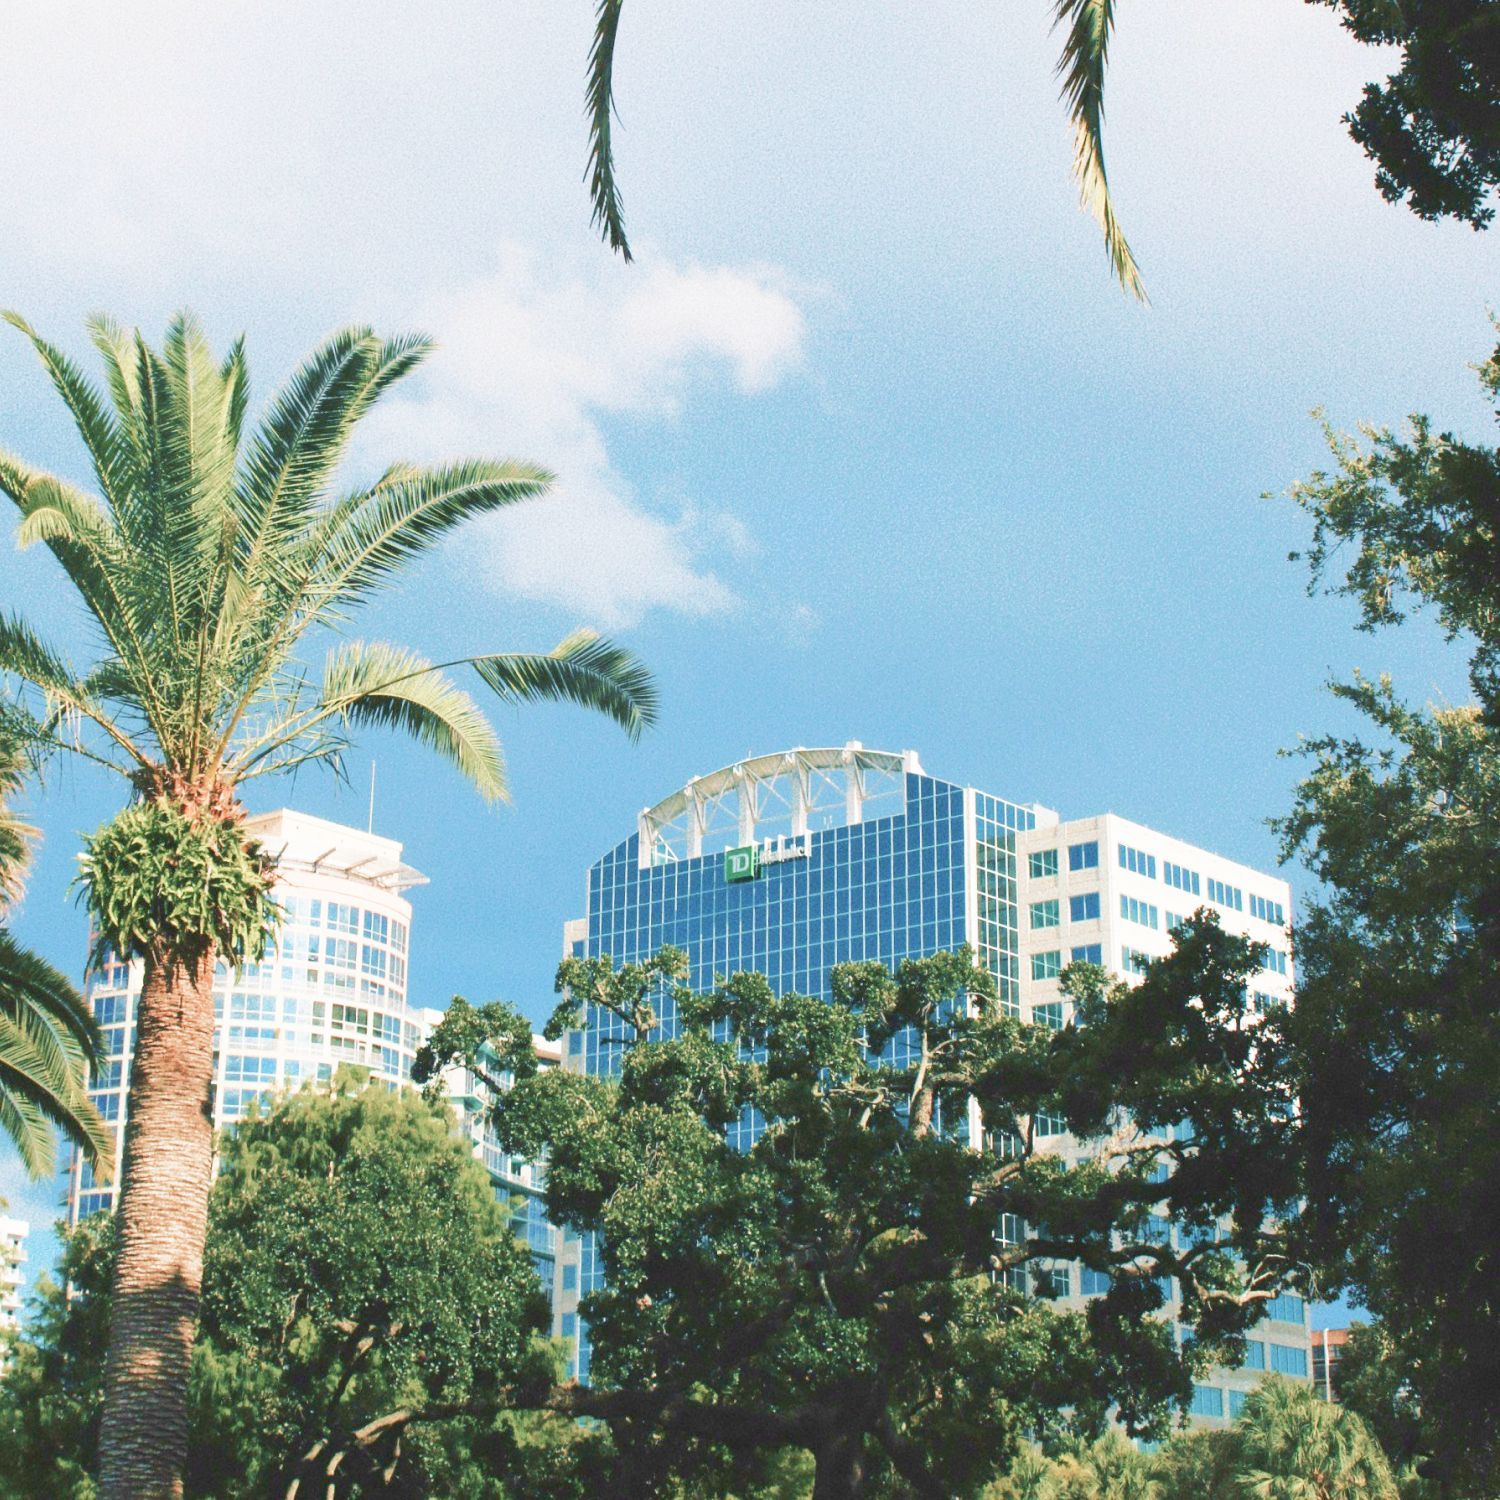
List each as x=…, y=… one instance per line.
x=13, y=1234
x=792, y=862
x=335, y=989
x=1328, y=1346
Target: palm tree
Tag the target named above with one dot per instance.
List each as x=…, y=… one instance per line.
x=1087, y=26
x=204, y=560
x=1108, y=1469
x=1293, y=1445
x=48, y=1039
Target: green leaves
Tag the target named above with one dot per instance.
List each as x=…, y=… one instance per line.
x=1398, y=1006
x=609, y=213
x=47, y=1035
x=371, y=683
x=1085, y=52
x=1081, y=67
x=796, y=1221
x=585, y=669
x=207, y=560
x=47, y=1041
x=153, y=876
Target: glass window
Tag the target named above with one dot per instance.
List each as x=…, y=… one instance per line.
x=1208, y=1401
x=1137, y=862
x=1049, y=1015
x=1268, y=911
x=1286, y=1359
x=1093, y=1283
x=570, y=1277
x=1083, y=856
x=1180, y=878
x=1088, y=953
x=1225, y=895
x=1054, y=1281
x=1042, y=863
x=1084, y=908
x=1046, y=965
x=1255, y=1354
x=1044, y=914
x=1237, y=1400
x=1287, y=1308
x=1138, y=911
x=1133, y=961
x=109, y=1010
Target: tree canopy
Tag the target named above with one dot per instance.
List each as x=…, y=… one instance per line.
x=357, y=1261
x=1397, y=1026
x=812, y=1242
x=1433, y=127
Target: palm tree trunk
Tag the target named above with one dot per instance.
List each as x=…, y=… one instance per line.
x=162, y=1221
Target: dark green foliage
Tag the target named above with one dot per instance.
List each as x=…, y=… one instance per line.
x=1433, y=127
x=53, y=1390
x=839, y=1285
x=1421, y=512
x=1370, y=1381
x=1397, y=1025
x=152, y=874
x=357, y=1260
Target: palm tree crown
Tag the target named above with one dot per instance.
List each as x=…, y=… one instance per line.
x=206, y=558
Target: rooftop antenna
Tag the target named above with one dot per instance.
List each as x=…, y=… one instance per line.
x=370, y=823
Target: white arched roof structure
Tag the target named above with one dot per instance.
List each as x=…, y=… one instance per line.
x=788, y=794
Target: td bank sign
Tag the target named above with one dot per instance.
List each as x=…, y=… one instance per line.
x=746, y=862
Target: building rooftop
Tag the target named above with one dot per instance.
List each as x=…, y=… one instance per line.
x=299, y=841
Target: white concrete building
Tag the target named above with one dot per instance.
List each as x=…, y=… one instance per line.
x=1108, y=891
x=334, y=991
x=13, y=1234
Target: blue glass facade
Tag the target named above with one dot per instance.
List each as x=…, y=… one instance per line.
x=888, y=888
x=939, y=873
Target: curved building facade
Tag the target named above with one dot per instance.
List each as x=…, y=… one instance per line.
x=335, y=989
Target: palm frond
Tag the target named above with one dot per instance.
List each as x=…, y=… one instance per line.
x=306, y=433
x=48, y=1039
x=16, y=837
x=199, y=431
x=1081, y=67
x=96, y=424
x=81, y=535
x=407, y=514
x=585, y=669
x=30, y=1132
x=609, y=211
x=373, y=683
x=24, y=655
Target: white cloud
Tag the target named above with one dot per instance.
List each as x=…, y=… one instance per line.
x=531, y=364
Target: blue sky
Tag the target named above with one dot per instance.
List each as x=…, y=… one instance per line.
x=865, y=445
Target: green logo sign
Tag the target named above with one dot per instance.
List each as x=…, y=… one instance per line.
x=741, y=864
